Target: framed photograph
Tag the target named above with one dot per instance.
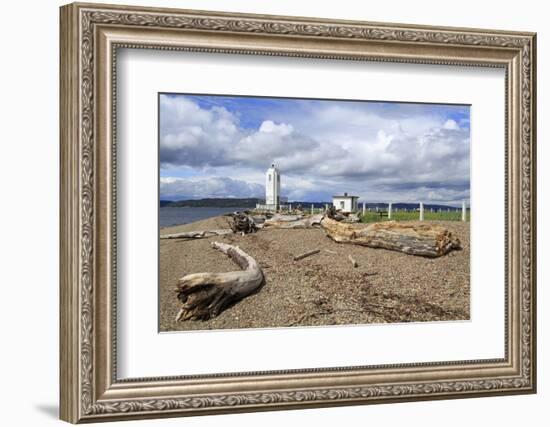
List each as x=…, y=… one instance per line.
x=267, y=212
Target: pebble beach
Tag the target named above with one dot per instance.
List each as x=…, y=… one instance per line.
x=324, y=288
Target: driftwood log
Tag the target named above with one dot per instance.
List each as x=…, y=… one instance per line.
x=416, y=239
x=284, y=217
x=196, y=234
x=205, y=295
x=293, y=221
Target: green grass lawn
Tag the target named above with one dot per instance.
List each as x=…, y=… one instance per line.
x=413, y=216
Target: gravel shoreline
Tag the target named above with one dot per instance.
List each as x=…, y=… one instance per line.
x=323, y=289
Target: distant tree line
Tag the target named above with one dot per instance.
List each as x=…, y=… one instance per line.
x=212, y=203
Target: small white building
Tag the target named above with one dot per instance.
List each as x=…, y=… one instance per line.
x=272, y=189
x=345, y=203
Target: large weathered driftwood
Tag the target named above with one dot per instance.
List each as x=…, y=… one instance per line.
x=416, y=239
x=205, y=295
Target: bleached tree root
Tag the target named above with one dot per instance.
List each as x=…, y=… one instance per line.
x=205, y=295
x=426, y=240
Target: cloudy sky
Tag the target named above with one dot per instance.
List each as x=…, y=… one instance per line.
x=221, y=146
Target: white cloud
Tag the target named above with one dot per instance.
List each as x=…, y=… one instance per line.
x=450, y=124
x=282, y=129
x=322, y=148
x=194, y=136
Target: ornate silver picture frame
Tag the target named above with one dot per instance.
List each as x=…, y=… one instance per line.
x=91, y=35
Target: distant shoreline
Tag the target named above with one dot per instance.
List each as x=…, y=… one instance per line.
x=177, y=216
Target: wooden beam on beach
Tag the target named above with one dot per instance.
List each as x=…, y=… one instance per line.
x=306, y=254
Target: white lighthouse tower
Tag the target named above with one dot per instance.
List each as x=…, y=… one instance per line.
x=273, y=188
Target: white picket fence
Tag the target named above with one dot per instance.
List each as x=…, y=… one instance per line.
x=390, y=210
x=420, y=210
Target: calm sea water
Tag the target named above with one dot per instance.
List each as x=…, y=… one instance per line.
x=184, y=215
